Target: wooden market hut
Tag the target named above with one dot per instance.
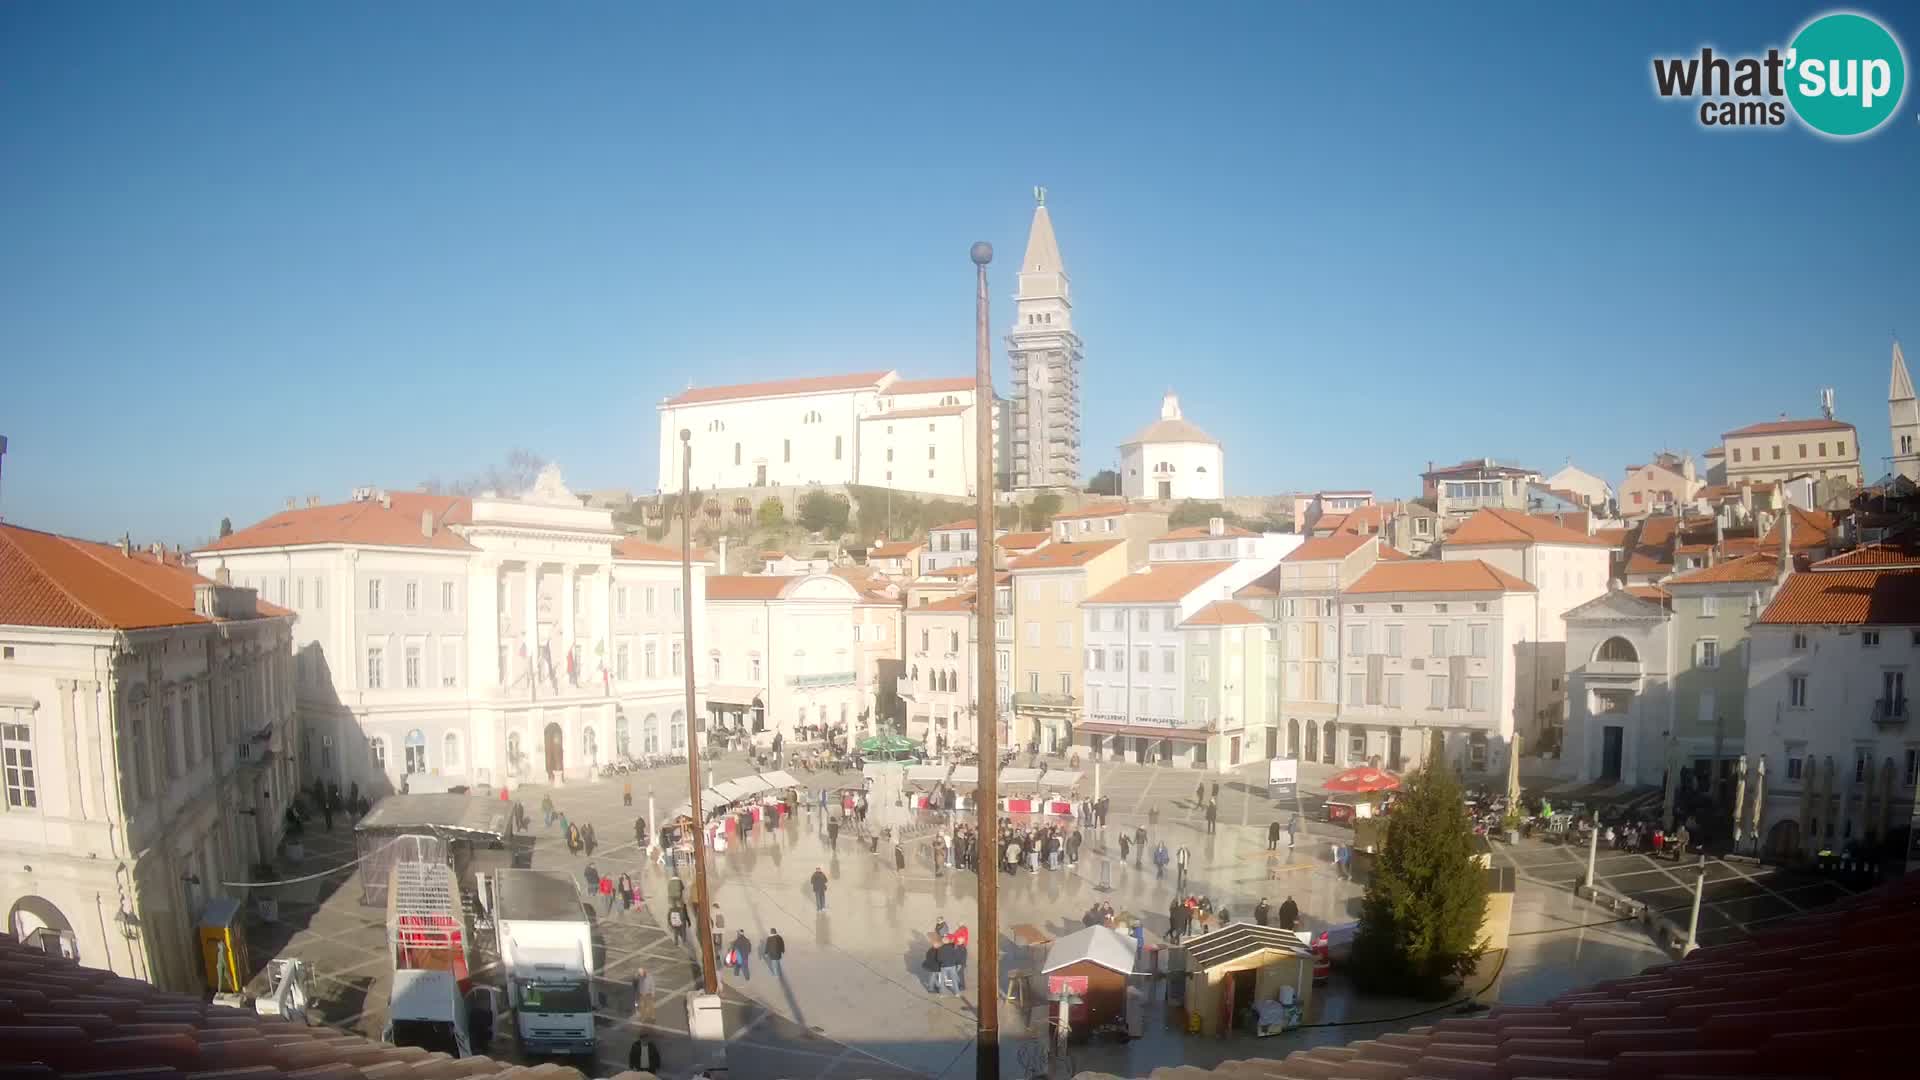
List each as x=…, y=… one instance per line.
x=1238, y=964
x=1103, y=958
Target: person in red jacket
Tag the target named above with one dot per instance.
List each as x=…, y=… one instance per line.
x=606, y=892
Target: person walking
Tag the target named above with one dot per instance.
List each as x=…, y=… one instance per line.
x=677, y=919
x=640, y=833
x=1180, y=863
x=1200, y=795
x=930, y=963
x=546, y=808
x=1175, y=912
x=573, y=835
x=1139, y=843
x=741, y=955
x=644, y=1056
x=1293, y=828
x=773, y=949
x=960, y=945
x=1126, y=845
x=833, y=834
x=1213, y=815
x=625, y=892
x=643, y=996
x=1273, y=835
x=606, y=893
x=626, y=794
x=819, y=881
x=719, y=923
x=1261, y=912
x=587, y=839
x=1160, y=861
x=1289, y=914
x=593, y=879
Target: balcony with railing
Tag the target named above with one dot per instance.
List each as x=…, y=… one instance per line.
x=1890, y=712
x=1029, y=699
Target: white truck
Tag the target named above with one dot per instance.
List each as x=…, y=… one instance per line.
x=546, y=950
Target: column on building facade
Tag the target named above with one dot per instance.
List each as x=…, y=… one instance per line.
x=569, y=579
x=483, y=621
x=603, y=626
x=530, y=638
x=70, y=735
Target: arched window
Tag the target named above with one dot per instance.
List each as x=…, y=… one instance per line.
x=914, y=675
x=620, y=725
x=1617, y=650
x=416, y=749
x=953, y=679
x=678, y=727
x=650, y=733
x=590, y=744
x=450, y=751
x=377, y=747
x=513, y=749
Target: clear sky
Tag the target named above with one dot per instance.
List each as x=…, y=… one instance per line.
x=250, y=251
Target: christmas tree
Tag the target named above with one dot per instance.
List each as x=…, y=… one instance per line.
x=1420, y=920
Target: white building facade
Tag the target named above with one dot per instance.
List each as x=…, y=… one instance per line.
x=490, y=640
x=783, y=654
x=1172, y=458
x=1619, y=688
x=150, y=749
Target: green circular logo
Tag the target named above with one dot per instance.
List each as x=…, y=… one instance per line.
x=1845, y=74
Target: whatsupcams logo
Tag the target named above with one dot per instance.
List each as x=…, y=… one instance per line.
x=1843, y=75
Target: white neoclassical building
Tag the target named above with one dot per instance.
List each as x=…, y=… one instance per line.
x=1619, y=687
x=783, y=654
x=1172, y=458
x=149, y=741
x=487, y=639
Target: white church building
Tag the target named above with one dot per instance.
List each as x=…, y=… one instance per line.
x=1172, y=458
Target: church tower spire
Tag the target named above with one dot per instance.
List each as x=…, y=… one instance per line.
x=1045, y=356
x=1903, y=419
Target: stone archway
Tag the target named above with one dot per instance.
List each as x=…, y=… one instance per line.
x=556, y=747
x=1293, y=737
x=35, y=922
x=1783, y=839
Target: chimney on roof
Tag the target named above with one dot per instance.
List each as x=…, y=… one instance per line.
x=722, y=568
x=126, y=545
x=313, y=501
x=426, y=524
x=158, y=550
x=223, y=576
x=386, y=501
x=1216, y=526
x=290, y=502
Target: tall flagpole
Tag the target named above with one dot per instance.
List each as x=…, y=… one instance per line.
x=703, y=910
x=987, y=1042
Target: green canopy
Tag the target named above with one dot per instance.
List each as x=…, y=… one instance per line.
x=888, y=743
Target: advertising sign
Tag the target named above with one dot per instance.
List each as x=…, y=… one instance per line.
x=1283, y=777
x=1060, y=986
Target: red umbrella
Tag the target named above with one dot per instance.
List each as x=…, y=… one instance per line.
x=1362, y=779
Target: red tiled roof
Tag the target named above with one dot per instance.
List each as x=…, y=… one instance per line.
x=748, y=586
x=819, y=384
x=1431, y=575
x=366, y=522
x=1613, y=537
x=57, y=581
x=964, y=523
x=1104, y=509
x=1023, y=541
x=1847, y=598
x=1223, y=613
x=930, y=386
x=1491, y=526
x=1901, y=551
x=957, y=602
x=1810, y=529
x=1650, y=592
x=1201, y=532
x=958, y=570
x=1059, y=556
x=899, y=549
x=911, y=414
x=1651, y=550
x=1787, y=427
x=1328, y=524
x=1389, y=553
x=1327, y=547
x=1756, y=568
x=1161, y=583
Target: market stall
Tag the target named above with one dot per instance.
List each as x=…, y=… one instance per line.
x=1087, y=973
x=925, y=781
x=1246, y=978
x=890, y=746
x=446, y=828
x=1038, y=791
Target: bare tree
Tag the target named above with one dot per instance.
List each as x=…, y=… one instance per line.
x=514, y=477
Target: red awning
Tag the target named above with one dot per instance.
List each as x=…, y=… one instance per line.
x=1364, y=779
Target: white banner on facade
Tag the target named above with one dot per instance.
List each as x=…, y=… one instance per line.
x=1283, y=776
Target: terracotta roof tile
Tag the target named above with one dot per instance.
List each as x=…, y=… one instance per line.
x=819, y=384
x=1327, y=547
x=1650, y=592
x=748, y=586
x=1613, y=537
x=1223, y=613
x=1161, y=583
x=1022, y=541
x=1756, y=568
x=365, y=522
x=1105, y=509
x=1059, y=556
x=1847, y=598
x=1389, y=553
x=968, y=524
x=1490, y=526
x=58, y=581
x=930, y=386
x=1810, y=529
x=1901, y=551
x=899, y=549
x=1787, y=427
x=1200, y=532
x=1431, y=575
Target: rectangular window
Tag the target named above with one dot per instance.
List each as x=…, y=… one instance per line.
x=1479, y=637
x=1063, y=633
x=1119, y=660
x=1803, y=449
x=649, y=661
x=1794, y=765
x=1477, y=694
x=1439, y=644
x=1736, y=457
x=1709, y=606
x=1096, y=659
x=16, y=757
x=412, y=673
x=1144, y=620
x=1033, y=682
x=1033, y=633
x=929, y=451
x=1707, y=653
x=1166, y=619
x=1166, y=661
x=450, y=663
x=1393, y=691
x=1356, y=689
x=1068, y=594
x=1066, y=684
x=1357, y=641
x=676, y=658
x=647, y=600
x=319, y=592
x=446, y=596
x=676, y=599
x=1394, y=634
x=1913, y=765
x=786, y=450
x=1823, y=449
x=376, y=661
x=373, y=594
x=1202, y=667
x=836, y=448
x=299, y=592
x=1797, y=691
x=413, y=596
x=620, y=601
x=1869, y=639
x=753, y=663
x=1436, y=692
x=1840, y=448
x=1799, y=641
x=736, y=453
x=1145, y=662
x=1776, y=451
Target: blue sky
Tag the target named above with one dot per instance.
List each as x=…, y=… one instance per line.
x=250, y=251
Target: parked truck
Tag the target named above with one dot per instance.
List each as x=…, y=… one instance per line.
x=427, y=942
x=546, y=950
